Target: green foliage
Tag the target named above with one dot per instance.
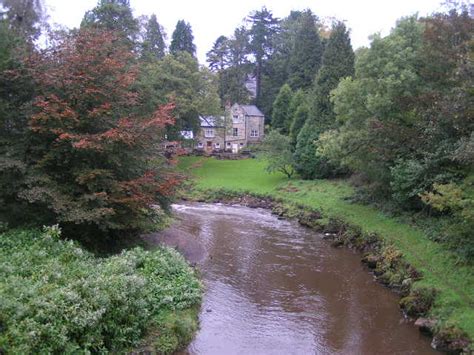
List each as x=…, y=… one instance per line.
x=16, y=92
x=263, y=28
x=275, y=69
x=276, y=149
x=337, y=63
x=217, y=57
x=182, y=39
x=153, y=45
x=405, y=118
x=299, y=112
x=115, y=16
x=57, y=298
x=281, y=114
x=179, y=79
x=306, y=54
x=228, y=58
x=458, y=200
x=309, y=163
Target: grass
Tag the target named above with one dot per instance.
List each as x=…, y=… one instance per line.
x=454, y=305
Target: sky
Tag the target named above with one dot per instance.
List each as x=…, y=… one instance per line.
x=211, y=18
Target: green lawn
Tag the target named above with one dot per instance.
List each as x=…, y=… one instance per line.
x=455, y=283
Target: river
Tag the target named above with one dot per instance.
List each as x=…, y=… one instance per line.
x=275, y=287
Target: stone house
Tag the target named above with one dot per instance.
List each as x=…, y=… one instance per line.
x=242, y=126
x=211, y=134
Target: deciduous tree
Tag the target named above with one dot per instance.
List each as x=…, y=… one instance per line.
x=93, y=164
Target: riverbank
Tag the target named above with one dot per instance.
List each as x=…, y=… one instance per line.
x=58, y=298
x=401, y=255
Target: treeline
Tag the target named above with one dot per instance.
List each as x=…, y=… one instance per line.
x=83, y=120
x=397, y=116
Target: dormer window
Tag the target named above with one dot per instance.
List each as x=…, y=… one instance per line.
x=209, y=133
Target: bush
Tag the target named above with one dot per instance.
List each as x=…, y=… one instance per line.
x=57, y=298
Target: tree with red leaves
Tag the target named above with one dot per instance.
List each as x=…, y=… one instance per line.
x=94, y=162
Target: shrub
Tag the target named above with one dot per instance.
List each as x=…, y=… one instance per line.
x=57, y=298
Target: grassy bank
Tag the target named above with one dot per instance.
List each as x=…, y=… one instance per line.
x=57, y=298
x=454, y=283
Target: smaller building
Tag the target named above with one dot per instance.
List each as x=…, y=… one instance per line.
x=211, y=135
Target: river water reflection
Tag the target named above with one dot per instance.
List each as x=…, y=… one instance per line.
x=274, y=287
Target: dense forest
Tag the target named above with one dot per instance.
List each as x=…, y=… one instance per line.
x=85, y=114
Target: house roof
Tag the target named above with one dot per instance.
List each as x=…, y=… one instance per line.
x=251, y=110
x=211, y=121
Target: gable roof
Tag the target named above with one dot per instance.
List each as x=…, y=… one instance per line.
x=211, y=121
x=251, y=110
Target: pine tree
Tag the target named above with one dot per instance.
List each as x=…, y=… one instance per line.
x=262, y=31
x=182, y=39
x=299, y=113
x=338, y=63
x=153, y=44
x=218, y=56
x=305, y=58
x=113, y=15
x=281, y=115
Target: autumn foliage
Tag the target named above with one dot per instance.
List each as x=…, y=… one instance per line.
x=94, y=158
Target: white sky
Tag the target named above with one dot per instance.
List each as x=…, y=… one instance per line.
x=211, y=18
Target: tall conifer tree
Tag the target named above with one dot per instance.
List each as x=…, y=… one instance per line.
x=338, y=63
x=305, y=58
x=182, y=39
x=153, y=44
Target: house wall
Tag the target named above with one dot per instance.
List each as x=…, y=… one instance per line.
x=236, y=119
x=218, y=138
x=255, y=123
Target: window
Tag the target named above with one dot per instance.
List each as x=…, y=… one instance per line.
x=254, y=133
x=228, y=144
x=217, y=145
x=208, y=133
x=200, y=145
x=235, y=132
x=241, y=144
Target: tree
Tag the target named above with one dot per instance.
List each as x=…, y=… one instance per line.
x=93, y=165
x=113, y=15
x=16, y=93
x=306, y=54
x=153, y=45
x=281, y=115
x=275, y=69
x=299, y=113
x=179, y=79
x=405, y=113
x=263, y=27
x=218, y=56
x=276, y=150
x=338, y=63
x=23, y=17
x=182, y=39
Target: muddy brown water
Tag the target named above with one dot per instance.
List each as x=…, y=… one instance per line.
x=274, y=287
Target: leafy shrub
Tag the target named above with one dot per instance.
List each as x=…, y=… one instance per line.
x=458, y=201
x=57, y=298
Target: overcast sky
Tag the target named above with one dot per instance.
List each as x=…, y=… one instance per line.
x=211, y=18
